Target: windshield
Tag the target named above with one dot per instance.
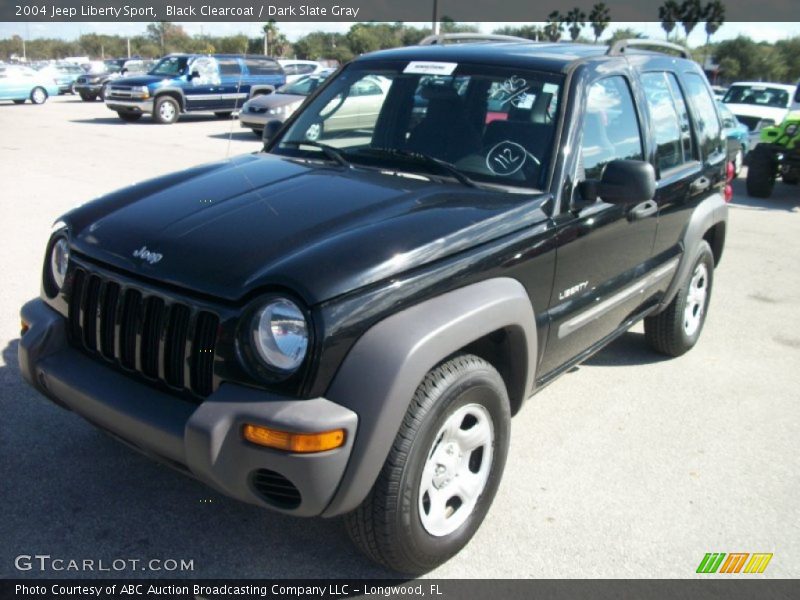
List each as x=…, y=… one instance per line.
x=493, y=125
x=303, y=86
x=171, y=65
x=757, y=94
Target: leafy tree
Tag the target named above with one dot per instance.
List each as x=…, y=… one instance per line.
x=669, y=14
x=168, y=36
x=599, y=17
x=576, y=19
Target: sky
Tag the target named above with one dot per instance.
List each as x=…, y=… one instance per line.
x=759, y=31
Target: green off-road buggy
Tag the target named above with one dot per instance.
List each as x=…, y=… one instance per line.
x=778, y=153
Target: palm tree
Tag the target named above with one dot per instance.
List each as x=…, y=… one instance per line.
x=668, y=14
x=554, y=27
x=600, y=17
x=714, y=15
x=576, y=19
x=691, y=14
x=270, y=30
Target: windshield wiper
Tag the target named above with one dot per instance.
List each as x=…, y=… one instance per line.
x=329, y=151
x=450, y=168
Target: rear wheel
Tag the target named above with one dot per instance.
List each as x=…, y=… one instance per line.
x=760, y=173
x=166, y=110
x=676, y=330
x=39, y=95
x=87, y=97
x=129, y=116
x=442, y=472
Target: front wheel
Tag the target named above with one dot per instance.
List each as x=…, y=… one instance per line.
x=676, y=330
x=166, y=110
x=38, y=95
x=442, y=472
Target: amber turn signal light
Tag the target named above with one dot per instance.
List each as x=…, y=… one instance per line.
x=24, y=327
x=293, y=442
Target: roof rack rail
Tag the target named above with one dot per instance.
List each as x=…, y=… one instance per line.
x=620, y=46
x=441, y=38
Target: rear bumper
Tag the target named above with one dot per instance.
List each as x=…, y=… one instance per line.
x=203, y=440
x=137, y=106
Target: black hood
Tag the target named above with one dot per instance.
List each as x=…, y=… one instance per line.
x=229, y=228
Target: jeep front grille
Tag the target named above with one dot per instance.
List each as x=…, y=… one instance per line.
x=143, y=333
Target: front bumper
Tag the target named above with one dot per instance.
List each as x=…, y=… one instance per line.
x=88, y=88
x=136, y=106
x=202, y=440
x=254, y=120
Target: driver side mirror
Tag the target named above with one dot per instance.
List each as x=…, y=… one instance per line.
x=623, y=182
x=271, y=128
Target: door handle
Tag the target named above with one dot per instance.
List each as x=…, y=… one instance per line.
x=643, y=210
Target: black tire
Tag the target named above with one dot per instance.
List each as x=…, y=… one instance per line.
x=223, y=114
x=166, y=117
x=38, y=95
x=388, y=525
x=666, y=332
x=129, y=116
x=86, y=97
x=760, y=173
x=19, y=101
x=259, y=133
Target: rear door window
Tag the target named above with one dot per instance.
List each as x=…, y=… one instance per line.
x=229, y=67
x=262, y=66
x=670, y=120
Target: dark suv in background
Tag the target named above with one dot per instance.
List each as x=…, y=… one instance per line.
x=344, y=323
x=184, y=83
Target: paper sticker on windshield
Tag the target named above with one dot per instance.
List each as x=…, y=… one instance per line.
x=430, y=68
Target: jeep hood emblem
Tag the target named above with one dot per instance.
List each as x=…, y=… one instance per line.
x=148, y=255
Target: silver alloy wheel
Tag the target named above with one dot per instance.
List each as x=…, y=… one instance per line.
x=313, y=132
x=738, y=161
x=166, y=111
x=38, y=96
x=456, y=470
x=696, y=298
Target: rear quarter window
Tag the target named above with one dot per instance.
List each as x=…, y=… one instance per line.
x=704, y=113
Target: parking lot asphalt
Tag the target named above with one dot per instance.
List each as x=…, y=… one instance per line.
x=631, y=465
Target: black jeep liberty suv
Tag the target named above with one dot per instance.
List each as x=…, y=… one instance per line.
x=344, y=323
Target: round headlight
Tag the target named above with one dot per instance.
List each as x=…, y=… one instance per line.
x=59, y=258
x=280, y=335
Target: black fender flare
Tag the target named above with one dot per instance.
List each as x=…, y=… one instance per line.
x=380, y=374
x=710, y=212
